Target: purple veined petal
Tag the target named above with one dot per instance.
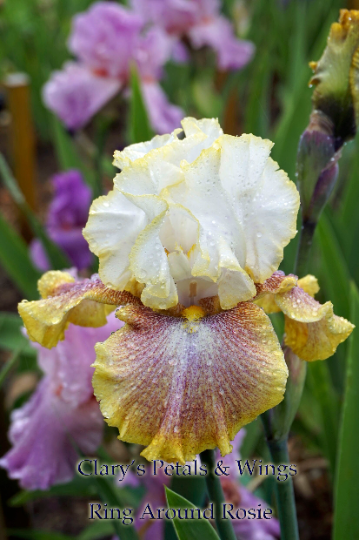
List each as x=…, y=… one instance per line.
x=43, y=432
x=217, y=33
x=104, y=37
x=62, y=411
x=163, y=115
x=69, y=363
x=75, y=94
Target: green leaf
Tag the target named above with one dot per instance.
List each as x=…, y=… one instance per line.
x=139, y=126
x=67, y=155
x=337, y=279
x=8, y=365
x=325, y=394
x=112, y=497
x=57, y=257
x=346, y=516
x=99, y=529
x=189, y=529
x=334, y=278
x=78, y=487
x=11, y=337
x=15, y=259
x=206, y=98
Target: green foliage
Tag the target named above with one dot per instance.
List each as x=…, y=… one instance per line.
x=139, y=126
x=11, y=337
x=56, y=256
x=189, y=529
x=346, y=519
x=14, y=257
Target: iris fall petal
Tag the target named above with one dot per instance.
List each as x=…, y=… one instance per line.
x=180, y=386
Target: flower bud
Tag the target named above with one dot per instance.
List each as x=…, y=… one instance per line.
x=334, y=116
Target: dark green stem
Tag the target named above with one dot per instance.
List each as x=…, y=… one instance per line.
x=284, y=492
x=215, y=492
x=304, y=248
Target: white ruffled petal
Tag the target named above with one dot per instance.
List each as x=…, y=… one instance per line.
x=148, y=258
x=194, y=213
x=135, y=151
x=200, y=134
x=221, y=240
x=265, y=201
x=114, y=224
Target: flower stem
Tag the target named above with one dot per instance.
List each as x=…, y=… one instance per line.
x=215, y=491
x=284, y=492
x=304, y=247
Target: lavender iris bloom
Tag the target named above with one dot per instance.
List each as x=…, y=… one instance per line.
x=61, y=415
x=202, y=24
x=67, y=215
x=106, y=40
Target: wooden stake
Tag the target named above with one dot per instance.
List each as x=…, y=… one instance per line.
x=17, y=87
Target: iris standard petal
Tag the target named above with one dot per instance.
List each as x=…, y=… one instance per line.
x=266, y=202
x=112, y=228
x=181, y=386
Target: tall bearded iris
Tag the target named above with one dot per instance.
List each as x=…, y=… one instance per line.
x=189, y=242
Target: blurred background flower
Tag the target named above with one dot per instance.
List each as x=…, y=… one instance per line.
x=108, y=38
x=66, y=217
x=62, y=414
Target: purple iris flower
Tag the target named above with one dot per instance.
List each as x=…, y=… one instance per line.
x=61, y=416
x=67, y=215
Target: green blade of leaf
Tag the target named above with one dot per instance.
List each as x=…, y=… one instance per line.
x=189, y=529
x=334, y=277
x=11, y=337
x=67, y=155
x=113, y=498
x=57, y=257
x=139, y=126
x=78, y=487
x=346, y=517
x=8, y=365
x=325, y=394
x=96, y=530
x=15, y=259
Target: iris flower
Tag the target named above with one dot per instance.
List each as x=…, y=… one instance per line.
x=66, y=216
x=105, y=40
x=189, y=243
x=61, y=414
